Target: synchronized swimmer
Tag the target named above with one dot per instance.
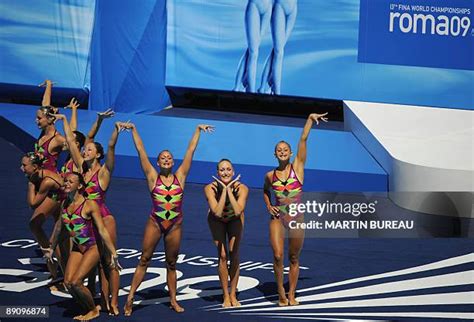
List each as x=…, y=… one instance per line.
x=227, y=198
x=166, y=189
x=75, y=198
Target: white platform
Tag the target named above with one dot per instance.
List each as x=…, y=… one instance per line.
x=427, y=152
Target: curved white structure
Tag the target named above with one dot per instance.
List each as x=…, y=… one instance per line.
x=427, y=152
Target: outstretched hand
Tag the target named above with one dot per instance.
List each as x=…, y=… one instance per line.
x=316, y=117
x=73, y=104
x=206, y=128
x=106, y=114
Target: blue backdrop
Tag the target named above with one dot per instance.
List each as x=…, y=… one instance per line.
x=129, y=56
x=207, y=40
x=46, y=39
x=115, y=48
x=331, y=49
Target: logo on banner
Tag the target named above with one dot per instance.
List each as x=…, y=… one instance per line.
x=427, y=33
x=429, y=20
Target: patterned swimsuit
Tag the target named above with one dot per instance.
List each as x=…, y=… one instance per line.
x=67, y=168
x=80, y=229
x=58, y=193
x=228, y=212
x=286, y=193
x=167, y=202
x=50, y=160
x=95, y=192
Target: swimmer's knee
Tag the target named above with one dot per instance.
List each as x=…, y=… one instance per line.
x=144, y=261
x=171, y=264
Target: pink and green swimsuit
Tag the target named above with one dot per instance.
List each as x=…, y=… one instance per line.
x=167, y=202
x=67, y=168
x=80, y=229
x=286, y=193
x=50, y=160
x=95, y=192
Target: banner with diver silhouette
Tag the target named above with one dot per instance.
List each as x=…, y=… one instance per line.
x=306, y=48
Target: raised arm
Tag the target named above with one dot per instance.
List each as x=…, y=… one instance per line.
x=47, y=92
x=98, y=122
x=73, y=104
x=185, y=166
x=300, y=159
x=267, y=196
x=110, y=161
x=71, y=141
x=148, y=169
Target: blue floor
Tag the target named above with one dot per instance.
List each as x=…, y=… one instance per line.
x=324, y=261
x=336, y=159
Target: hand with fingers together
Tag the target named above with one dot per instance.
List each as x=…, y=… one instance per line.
x=46, y=82
x=316, y=117
x=230, y=185
x=219, y=182
x=227, y=187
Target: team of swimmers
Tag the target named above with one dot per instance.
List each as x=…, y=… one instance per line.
x=85, y=237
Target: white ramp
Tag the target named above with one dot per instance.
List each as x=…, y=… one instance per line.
x=427, y=152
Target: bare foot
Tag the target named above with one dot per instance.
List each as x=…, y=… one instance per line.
x=91, y=314
x=227, y=302
x=293, y=302
x=176, y=307
x=114, y=310
x=128, y=307
x=61, y=288
x=234, y=301
x=282, y=301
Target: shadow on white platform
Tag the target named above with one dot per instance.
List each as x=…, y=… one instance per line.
x=427, y=152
